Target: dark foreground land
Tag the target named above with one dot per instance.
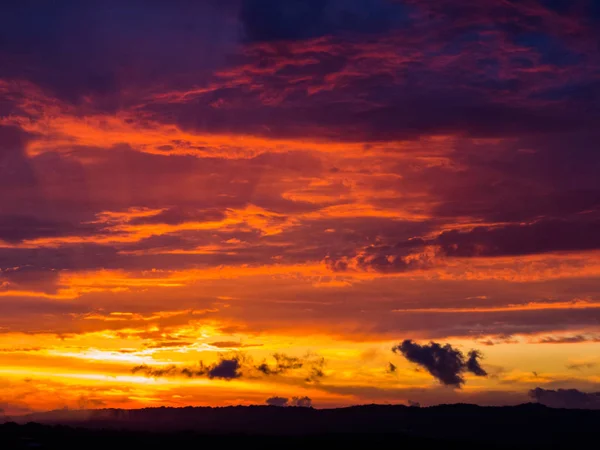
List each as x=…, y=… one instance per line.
x=444, y=427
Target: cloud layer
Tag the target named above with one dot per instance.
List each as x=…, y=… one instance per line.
x=318, y=177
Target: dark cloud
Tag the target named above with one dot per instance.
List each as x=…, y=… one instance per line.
x=303, y=402
x=148, y=371
x=407, y=116
x=283, y=363
x=14, y=229
x=473, y=365
x=539, y=237
x=241, y=365
x=313, y=365
x=445, y=363
x=277, y=401
x=391, y=368
x=272, y=20
x=20, y=349
x=574, y=339
x=23, y=278
x=316, y=372
x=418, y=72
x=168, y=344
x=232, y=344
x=178, y=215
x=15, y=168
x=581, y=366
x=499, y=339
x=419, y=69
x=225, y=369
x=543, y=236
x=385, y=258
x=566, y=398
x=83, y=51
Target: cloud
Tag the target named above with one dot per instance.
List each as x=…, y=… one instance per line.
x=538, y=237
x=168, y=344
x=303, y=402
x=316, y=371
x=20, y=349
x=391, y=368
x=15, y=166
x=225, y=369
x=445, y=363
x=89, y=403
x=313, y=365
x=241, y=365
x=179, y=215
x=522, y=239
x=386, y=258
x=566, y=398
x=232, y=344
x=473, y=363
x=581, y=366
x=149, y=371
x=283, y=363
x=272, y=20
x=574, y=339
x=499, y=339
x=41, y=42
x=277, y=401
x=16, y=228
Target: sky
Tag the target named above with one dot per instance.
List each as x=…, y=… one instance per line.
x=354, y=201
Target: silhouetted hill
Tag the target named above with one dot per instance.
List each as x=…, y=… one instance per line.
x=525, y=426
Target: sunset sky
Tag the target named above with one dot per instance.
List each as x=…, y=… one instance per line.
x=297, y=187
